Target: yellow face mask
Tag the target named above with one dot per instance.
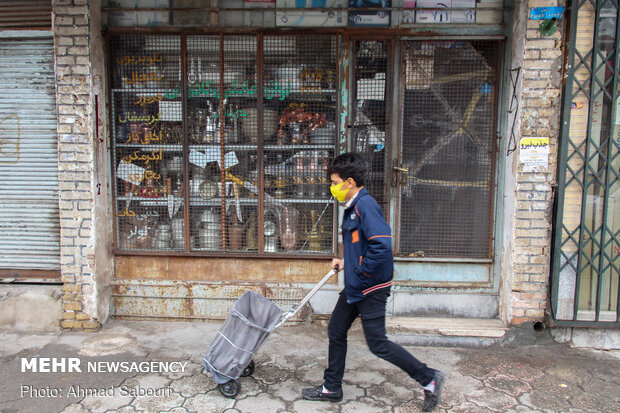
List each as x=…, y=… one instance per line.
x=338, y=192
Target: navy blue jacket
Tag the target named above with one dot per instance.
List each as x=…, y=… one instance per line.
x=367, y=241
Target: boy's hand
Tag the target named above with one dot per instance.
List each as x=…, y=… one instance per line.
x=337, y=263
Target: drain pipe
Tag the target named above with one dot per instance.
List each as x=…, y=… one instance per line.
x=539, y=326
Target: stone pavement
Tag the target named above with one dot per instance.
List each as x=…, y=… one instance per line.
x=536, y=378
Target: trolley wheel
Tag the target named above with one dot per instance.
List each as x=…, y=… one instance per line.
x=249, y=369
x=230, y=388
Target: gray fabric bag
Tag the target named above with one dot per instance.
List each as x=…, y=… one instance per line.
x=251, y=320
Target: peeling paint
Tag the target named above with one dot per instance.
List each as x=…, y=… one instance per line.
x=192, y=300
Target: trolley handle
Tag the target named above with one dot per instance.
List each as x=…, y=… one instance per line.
x=296, y=307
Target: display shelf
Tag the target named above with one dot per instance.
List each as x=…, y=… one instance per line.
x=154, y=202
x=164, y=147
x=298, y=147
x=294, y=93
x=228, y=146
x=216, y=201
x=147, y=91
x=299, y=201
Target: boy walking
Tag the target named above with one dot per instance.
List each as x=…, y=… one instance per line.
x=368, y=270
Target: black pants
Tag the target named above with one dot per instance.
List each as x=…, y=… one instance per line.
x=372, y=311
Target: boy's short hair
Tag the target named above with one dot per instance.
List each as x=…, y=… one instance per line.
x=349, y=165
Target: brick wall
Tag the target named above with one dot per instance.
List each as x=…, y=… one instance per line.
x=540, y=117
x=75, y=160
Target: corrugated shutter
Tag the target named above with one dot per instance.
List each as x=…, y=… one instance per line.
x=29, y=14
x=29, y=218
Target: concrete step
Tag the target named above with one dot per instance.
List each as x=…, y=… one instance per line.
x=445, y=332
x=30, y=307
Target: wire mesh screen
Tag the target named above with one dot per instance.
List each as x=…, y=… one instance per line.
x=147, y=135
x=299, y=124
x=223, y=147
x=447, y=148
x=371, y=117
x=187, y=172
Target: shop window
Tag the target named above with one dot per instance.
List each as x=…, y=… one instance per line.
x=221, y=143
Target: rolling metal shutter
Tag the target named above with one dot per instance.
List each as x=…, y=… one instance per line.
x=29, y=218
x=30, y=14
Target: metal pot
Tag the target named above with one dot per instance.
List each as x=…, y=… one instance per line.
x=209, y=233
x=249, y=124
x=209, y=236
x=165, y=233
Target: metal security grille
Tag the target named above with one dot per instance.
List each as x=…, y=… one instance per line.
x=372, y=112
x=222, y=143
x=448, y=147
x=587, y=226
x=29, y=220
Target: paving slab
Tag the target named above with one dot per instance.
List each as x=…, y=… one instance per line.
x=547, y=377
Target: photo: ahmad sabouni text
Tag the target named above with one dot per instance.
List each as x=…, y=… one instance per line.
x=29, y=391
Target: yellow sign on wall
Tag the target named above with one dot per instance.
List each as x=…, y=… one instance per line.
x=534, y=153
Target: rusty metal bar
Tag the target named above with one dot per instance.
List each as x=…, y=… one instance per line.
x=222, y=148
x=110, y=144
x=260, y=142
x=389, y=118
x=186, y=195
x=21, y=275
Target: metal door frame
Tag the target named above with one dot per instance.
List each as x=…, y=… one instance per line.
x=490, y=264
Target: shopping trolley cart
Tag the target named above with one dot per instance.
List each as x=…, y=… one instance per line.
x=251, y=320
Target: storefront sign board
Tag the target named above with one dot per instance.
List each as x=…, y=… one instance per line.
x=307, y=17
x=371, y=18
x=442, y=14
x=546, y=13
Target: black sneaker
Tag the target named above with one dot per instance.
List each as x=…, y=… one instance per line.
x=317, y=393
x=432, y=398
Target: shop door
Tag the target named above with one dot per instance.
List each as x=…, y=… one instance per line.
x=29, y=218
x=443, y=167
